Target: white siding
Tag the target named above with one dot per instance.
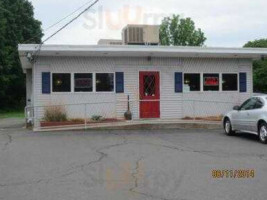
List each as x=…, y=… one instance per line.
x=215, y=66
x=74, y=65
x=166, y=67
x=173, y=105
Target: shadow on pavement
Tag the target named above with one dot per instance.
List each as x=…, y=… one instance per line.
x=247, y=136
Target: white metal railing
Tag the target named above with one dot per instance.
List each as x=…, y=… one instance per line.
x=94, y=113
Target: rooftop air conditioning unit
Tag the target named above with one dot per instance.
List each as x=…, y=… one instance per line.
x=140, y=35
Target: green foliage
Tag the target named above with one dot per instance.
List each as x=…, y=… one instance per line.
x=262, y=43
x=55, y=114
x=97, y=118
x=177, y=31
x=12, y=114
x=259, y=67
x=17, y=25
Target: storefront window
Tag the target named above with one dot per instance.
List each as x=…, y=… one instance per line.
x=104, y=82
x=191, y=82
x=61, y=82
x=211, y=82
x=229, y=82
x=83, y=82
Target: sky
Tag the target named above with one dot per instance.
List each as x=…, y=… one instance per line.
x=226, y=23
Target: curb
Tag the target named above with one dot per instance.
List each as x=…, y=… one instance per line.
x=160, y=126
x=143, y=126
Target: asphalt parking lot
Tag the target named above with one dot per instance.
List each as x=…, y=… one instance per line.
x=119, y=165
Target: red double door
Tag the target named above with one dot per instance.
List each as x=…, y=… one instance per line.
x=149, y=94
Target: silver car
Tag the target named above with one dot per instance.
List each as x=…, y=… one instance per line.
x=250, y=117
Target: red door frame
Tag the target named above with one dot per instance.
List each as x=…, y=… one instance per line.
x=149, y=109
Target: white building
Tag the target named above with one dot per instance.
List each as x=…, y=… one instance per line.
x=162, y=82
x=109, y=42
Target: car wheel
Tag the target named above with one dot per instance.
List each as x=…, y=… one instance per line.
x=263, y=132
x=228, y=127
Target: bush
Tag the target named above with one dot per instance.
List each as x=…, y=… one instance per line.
x=96, y=118
x=55, y=114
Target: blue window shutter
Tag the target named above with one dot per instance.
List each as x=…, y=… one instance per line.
x=178, y=82
x=46, y=88
x=243, y=82
x=119, y=82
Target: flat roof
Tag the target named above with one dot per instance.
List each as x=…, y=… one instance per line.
x=138, y=51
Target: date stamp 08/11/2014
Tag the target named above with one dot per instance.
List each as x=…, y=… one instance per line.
x=233, y=173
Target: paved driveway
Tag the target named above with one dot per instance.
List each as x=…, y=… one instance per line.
x=120, y=165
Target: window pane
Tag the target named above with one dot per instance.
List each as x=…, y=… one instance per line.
x=104, y=82
x=83, y=82
x=211, y=82
x=61, y=83
x=249, y=104
x=191, y=82
x=149, y=85
x=229, y=82
x=259, y=104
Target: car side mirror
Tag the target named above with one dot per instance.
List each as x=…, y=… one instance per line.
x=236, y=108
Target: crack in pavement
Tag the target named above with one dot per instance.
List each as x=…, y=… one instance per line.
x=262, y=157
x=135, y=177
x=81, y=166
x=154, y=196
x=171, y=147
x=102, y=154
x=101, y=157
x=71, y=170
x=10, y=139
x=53, y=178
x=175, y=148
x=135, y=174
x=24, y=183
x=203, y=152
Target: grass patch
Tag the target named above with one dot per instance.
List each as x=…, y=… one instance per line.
x=12, y=114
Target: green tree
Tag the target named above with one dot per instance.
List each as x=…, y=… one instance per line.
x=259, y=67
x=178, y=31
x=17, y=25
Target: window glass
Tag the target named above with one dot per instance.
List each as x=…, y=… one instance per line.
x=83, y=82
x=149, y=85
x=259, y=104
x=229, y=82
x=191, y=82
x=249, y=104
x=104, y=82
x=61, y=82
x=211, y=82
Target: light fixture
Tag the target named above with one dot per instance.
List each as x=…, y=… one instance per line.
x=58, y=82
